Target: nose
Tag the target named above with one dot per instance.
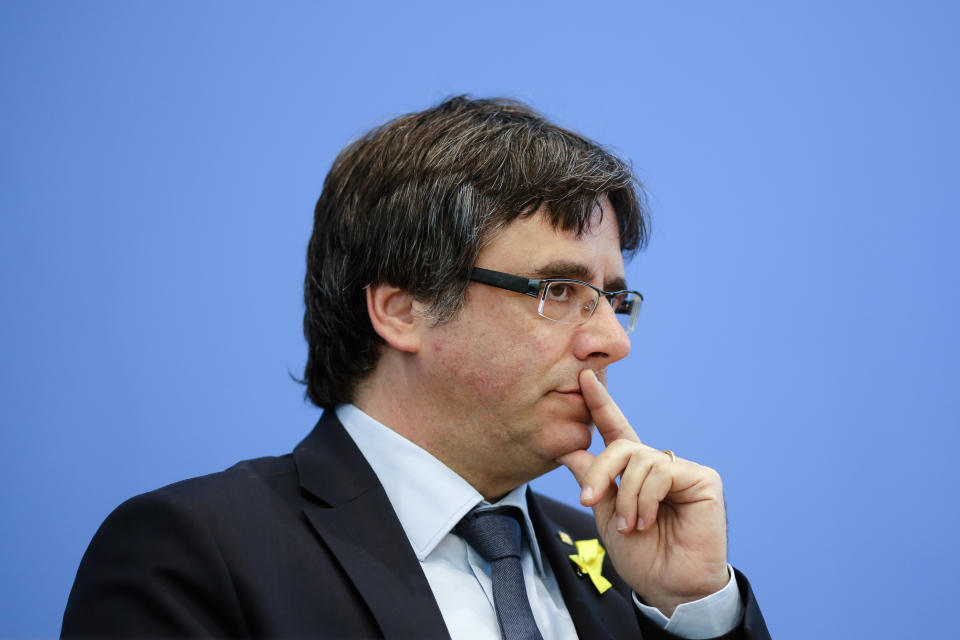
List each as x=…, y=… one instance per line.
x=601, y=338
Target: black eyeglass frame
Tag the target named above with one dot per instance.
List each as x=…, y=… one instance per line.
x=537, y=288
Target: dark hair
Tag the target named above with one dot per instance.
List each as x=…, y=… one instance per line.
x=412, y=203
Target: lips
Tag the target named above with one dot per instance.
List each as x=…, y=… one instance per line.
x=576, y=391
x=571, y=395
x=574, y=406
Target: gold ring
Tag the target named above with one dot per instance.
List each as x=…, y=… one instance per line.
x=673, y=456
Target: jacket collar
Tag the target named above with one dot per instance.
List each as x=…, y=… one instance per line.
x=353, y=517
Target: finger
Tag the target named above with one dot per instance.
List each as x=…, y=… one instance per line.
x=579, y=464
x=656, y=487
x=610, y=421
x=605, y=468
x=631, y=482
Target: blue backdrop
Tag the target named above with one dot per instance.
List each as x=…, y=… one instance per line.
x=160, y=161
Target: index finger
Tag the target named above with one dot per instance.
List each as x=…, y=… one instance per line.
x=610, y=421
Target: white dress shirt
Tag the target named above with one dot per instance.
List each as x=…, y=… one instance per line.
x=430, y=499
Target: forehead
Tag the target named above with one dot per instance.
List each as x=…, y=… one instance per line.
x=530, y=243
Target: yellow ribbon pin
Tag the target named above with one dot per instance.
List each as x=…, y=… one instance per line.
x=589, y=559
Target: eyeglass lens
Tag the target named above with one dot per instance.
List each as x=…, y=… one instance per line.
x=573, y=303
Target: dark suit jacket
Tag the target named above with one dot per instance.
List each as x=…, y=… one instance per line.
x=304, y=545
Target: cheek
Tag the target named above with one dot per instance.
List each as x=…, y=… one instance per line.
x=518, y=368
x=537, y=345
x=488, y=364
x=502, y=359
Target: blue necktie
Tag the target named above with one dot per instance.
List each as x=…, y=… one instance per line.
x=496, y=535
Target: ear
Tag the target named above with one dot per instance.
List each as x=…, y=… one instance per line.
x=393, y=314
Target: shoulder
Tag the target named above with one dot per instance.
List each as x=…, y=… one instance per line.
x=160, y=552
x=182, y=543
x=196, y=517
x=246, y=486
x=205, y=504
x=239, y=487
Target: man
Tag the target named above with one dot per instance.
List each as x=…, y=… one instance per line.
x=464, y=295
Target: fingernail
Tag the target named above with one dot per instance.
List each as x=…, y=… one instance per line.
x=639, y=524
x=621, y=524
x=586, y=494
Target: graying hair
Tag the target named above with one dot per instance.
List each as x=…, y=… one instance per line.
x=412, y=203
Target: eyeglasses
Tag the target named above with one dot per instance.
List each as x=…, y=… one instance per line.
x=565, y=300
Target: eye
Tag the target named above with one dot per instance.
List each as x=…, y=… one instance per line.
x=560, y=292
x=621, y=303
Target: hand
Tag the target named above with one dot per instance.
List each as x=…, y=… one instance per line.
x=664, y=527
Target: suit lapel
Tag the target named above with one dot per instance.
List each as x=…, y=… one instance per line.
x=594, y=615
x=359, y=526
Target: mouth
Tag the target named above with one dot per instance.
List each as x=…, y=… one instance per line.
x=572, y=396
x=575, y=390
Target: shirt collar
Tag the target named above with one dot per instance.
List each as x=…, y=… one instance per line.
x=428, y=497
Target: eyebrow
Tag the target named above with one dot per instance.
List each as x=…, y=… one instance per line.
x=575, y=271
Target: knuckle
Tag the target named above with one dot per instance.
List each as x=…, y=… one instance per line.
x=620, y=444
x=708, y=473
x=597, y=477
x=658, y=466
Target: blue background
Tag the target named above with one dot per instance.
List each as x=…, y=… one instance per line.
x=160, y=162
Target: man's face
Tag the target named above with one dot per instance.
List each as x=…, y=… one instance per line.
x=505, y=380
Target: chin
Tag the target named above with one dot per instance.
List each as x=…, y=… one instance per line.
x=565, y=436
